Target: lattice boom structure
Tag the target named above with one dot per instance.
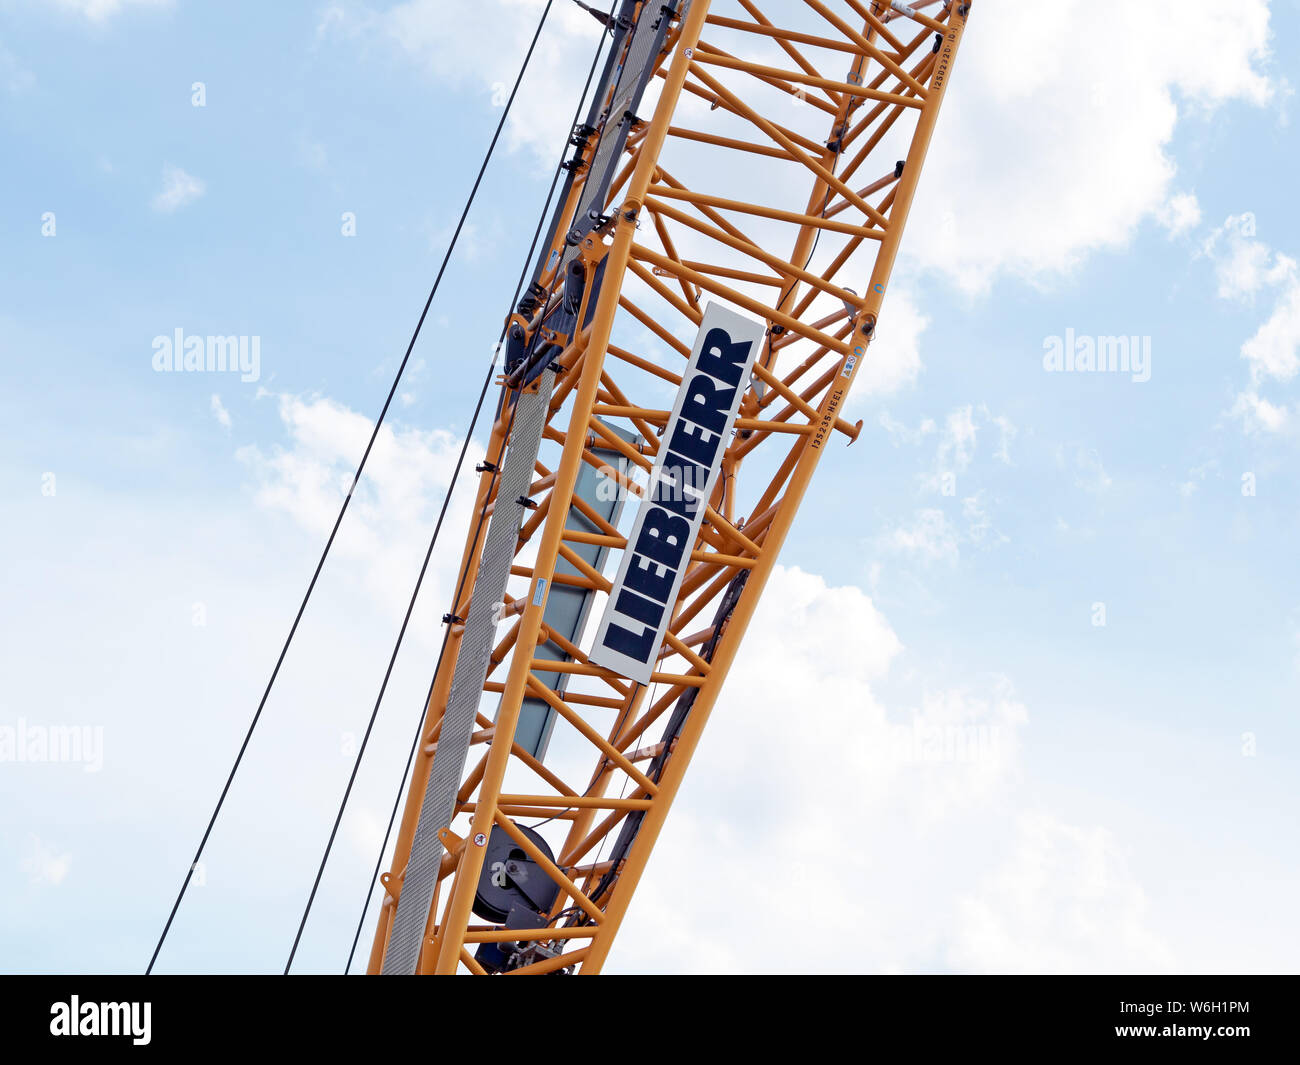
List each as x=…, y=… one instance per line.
x=772, y=177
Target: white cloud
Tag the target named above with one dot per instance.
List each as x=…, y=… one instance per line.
x=446, y=38
x=1032, y=146
x=827, y=824
x=102, y=10
x=1008, y=433
x=1041, y=161
x=957, y=445
x=814, y=782
x=245, y=556
x=1063, y=901
x=1196, y=476
x=365, y=832
x=900, y=433
x=931, y=538
x=1257, y=414
x=1090, y=474
x=391, y=514
x=219, y=411
x=1180, y=214
x=1274, y=350
x=44, y=865
x=966, y=740
x=179, y=189
x=1246, y=267
x=894, y=358
x=977, y=519
x=474, y=244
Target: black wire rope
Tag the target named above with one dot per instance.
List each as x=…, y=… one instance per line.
x=478, y=529
x=329, y=543
x=428, y=555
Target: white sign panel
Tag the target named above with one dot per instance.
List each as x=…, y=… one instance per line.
x=668, y=520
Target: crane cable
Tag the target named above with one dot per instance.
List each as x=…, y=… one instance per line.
x=329, y=543
x=428, y=555
x=392, y=660
x=415, y=742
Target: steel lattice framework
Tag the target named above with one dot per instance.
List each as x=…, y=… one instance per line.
x=775, y=172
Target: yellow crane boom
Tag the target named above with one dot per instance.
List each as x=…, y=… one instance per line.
x=672, y=378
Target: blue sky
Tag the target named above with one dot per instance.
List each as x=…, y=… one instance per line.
x=1136, y=811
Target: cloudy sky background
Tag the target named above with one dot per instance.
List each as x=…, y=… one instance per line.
x=1108, y=168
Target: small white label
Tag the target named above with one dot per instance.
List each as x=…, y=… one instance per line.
x=539, y=596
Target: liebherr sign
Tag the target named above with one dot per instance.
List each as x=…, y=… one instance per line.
x=690, y=455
